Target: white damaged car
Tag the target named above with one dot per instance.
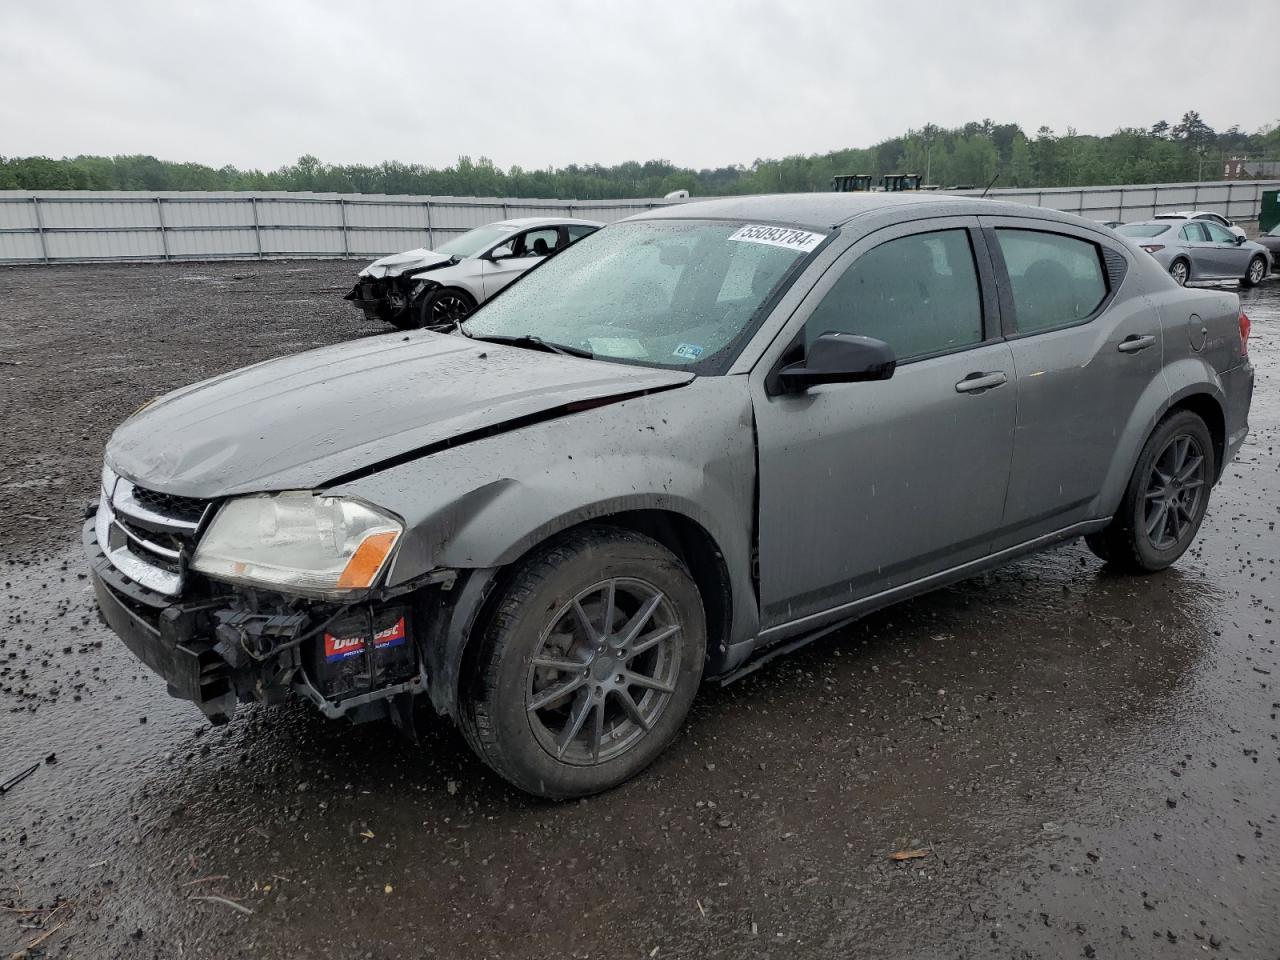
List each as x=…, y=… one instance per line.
x=437, y=288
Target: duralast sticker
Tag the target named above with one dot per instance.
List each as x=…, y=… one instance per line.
x=340, y=648
x=800, y=240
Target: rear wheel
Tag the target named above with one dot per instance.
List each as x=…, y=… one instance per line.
x=588, y=666
x=444, y=307
x=1257, y=270
x=1180, y=270
x=1165, y=501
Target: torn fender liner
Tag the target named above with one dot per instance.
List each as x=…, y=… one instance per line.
x=297, y=422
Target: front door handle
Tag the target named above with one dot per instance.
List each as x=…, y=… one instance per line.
x=1135, y=342
x=981, y=381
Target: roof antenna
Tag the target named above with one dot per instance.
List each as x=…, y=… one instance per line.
x=989, y=185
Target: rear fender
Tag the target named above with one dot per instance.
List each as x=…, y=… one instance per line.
x=1182, y=379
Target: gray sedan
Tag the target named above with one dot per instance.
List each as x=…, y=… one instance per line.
x=694, y=440
x=1194, y=249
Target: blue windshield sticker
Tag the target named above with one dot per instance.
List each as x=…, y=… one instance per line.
x=689, y=351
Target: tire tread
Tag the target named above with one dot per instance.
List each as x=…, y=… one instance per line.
x=476, y=722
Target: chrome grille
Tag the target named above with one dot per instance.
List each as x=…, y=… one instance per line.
x=148, y=536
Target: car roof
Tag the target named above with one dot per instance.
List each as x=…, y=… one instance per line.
x=826, y=210
x=520, y=223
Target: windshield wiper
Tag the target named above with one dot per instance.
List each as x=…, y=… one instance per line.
x=529, y=340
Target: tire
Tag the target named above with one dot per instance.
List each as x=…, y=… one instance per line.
x=604, y=727
x=1140, y=538
x=442, y=307
x=1256, y=272
x=1180, y=270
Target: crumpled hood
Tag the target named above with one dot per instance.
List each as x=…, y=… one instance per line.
x=301, y=421
x=398, y=263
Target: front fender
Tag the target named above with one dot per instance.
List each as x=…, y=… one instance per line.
x=484, y=504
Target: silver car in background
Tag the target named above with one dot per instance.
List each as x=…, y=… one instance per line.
x=1217, y=218
x=436, y=288
x=699, y=438
x=1195, y=249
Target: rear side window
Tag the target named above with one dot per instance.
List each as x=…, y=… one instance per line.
x=919, y=294
x=1056, y=280
x=1195, y=232
x=1142, y=229
x=578, y=232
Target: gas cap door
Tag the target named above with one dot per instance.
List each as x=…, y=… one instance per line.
x=1197, y=332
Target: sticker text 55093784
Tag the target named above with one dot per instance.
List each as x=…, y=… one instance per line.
x=802, y=241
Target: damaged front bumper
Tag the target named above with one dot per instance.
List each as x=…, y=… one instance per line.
x=219, y=646
x=381, y=298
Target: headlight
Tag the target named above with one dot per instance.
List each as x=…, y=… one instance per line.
x=298, y=542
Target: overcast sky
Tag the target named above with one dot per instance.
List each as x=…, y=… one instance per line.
x=550, y=82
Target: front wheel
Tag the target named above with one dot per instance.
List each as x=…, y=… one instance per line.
x=1165, y=501
x=588, y=666
x=1180, y=270
x=1257, y=270
x=440, y=309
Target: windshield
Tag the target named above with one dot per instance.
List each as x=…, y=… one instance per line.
x=474, y=241
x=1274, y=231
x=1142, y=229
x=669, y=293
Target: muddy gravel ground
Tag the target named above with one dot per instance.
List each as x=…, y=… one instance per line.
x=1089, y=761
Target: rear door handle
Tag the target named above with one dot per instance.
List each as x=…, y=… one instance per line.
x=981, y=381
x=1135, y=342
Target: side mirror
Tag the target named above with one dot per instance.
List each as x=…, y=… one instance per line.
x=503, y=252
x=1239, y=239
x=840, y=358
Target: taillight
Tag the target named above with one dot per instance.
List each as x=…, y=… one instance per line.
x=1245, y=325
x=1151, y=247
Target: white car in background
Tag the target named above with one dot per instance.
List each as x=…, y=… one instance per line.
x=438, y=288
x=1209, y=215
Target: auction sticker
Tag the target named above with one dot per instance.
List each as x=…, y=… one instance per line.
x=799, y=240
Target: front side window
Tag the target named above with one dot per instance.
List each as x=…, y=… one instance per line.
x=1056, y=280
x=1219, y=234
x=918, y=293
x=668, y=293
x=538, y=243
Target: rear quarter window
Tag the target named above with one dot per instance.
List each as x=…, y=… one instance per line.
x=1056, y=280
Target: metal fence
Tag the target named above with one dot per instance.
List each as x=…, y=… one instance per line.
x=1234, y=199
x=80, y=226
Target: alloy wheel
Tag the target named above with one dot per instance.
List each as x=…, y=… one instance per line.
x=449, y=307
x=1175, y=488
x=1255, y=271
x=604, y=670
x=1179, y=273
